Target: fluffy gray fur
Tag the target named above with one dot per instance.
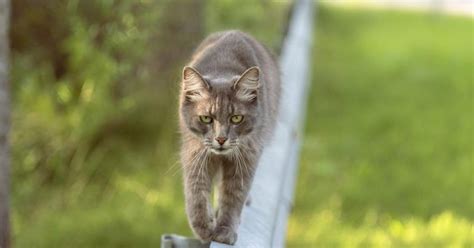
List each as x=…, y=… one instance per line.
x=230, y=74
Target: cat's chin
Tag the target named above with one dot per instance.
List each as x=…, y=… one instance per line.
x=221, y=151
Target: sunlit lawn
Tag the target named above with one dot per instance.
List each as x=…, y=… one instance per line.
x=387, y=154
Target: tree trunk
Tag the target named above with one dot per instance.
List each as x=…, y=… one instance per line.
x=4, y=125
x=181, y=30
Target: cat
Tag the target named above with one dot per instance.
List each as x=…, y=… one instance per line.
x=229, y=103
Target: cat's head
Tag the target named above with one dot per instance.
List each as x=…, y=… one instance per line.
x=221, y=111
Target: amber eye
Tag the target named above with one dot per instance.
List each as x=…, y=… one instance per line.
x=236, y=119
x=205, y=119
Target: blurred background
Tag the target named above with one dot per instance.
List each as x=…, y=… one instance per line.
x=387, y=158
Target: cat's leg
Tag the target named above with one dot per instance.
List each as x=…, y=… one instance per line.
x=233, y=192
x=197, y=184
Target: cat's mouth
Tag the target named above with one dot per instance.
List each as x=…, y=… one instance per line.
x=220, y=150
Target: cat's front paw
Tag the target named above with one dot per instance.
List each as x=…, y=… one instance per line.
x=224, y=234
x=203, y=231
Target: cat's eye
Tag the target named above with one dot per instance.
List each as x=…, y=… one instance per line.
x=205, y=119
x=236, y=119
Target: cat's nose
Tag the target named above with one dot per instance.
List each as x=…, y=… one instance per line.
x=221, y=140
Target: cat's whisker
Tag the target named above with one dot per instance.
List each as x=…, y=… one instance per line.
x=173, y=166
x=194, y=161
x=233, y=157
x=185, y=164
x=239, y=161
x=203, y=163
x=241, y=171
x=238, y=166
x=197, y=163
x=176, y=172
x=245, y=163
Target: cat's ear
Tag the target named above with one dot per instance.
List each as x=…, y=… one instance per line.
x=194, y=86
x=246, y=87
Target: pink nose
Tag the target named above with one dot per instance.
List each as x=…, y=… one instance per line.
x=221, y=140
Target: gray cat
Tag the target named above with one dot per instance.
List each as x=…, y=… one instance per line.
x=228, y=108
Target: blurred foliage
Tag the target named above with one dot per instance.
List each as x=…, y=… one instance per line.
x=264, y=19
x=387, y=154
x=94, y=139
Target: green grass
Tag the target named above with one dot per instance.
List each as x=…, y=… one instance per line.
x=387, y=153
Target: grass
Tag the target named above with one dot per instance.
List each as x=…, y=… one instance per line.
x=387, y=154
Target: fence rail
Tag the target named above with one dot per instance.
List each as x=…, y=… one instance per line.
x=264, y=222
